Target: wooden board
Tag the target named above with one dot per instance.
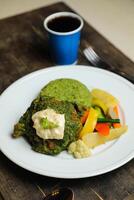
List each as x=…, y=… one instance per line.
x=24, y=49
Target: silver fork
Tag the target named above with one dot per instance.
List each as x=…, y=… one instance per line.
x=97, y=61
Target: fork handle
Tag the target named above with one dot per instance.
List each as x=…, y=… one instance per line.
x=113, y=69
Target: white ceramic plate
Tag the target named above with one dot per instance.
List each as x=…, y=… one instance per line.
x=15, y=100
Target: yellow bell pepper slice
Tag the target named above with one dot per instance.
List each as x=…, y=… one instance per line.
x=90, y=122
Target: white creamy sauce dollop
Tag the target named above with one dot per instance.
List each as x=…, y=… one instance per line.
x=51, y=115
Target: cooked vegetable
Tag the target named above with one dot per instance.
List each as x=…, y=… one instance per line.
x=84, y=117
x=87, y=118
x=107, y=99
x=114, y=113
x=116, y=132
x=90, y=122
x=103, y=128
x=99, y=110
x=104, y=120
x=94, y=139
x=100, y=103
x=79, y=149
x=116, y=125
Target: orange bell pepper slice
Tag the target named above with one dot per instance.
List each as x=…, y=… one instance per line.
x=115, y=110
x=103, y=128
x=84, y=117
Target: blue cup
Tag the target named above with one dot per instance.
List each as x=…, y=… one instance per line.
x=64, y=45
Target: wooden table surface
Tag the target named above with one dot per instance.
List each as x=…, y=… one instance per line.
x=24, y=49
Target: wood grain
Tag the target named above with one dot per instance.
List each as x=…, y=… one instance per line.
x=24, y=49
x=129, y=197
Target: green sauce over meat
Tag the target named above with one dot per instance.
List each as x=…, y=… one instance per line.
x=65, y=96
x=49, y=146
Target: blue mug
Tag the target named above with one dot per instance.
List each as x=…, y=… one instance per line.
x=64, y=45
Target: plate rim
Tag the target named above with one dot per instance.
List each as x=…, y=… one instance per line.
x=36, y=73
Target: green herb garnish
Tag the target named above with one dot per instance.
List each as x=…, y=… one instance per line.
x=46, y=124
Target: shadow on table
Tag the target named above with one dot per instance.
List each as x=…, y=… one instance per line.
x=103, y=185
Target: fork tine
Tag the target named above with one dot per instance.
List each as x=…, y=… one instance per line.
x=90, y=57
x=98, y=60
x=96, y=57
x=89, y=53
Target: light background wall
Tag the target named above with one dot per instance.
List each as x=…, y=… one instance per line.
x=114, y=19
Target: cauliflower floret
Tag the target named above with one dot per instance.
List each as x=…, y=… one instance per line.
x=79, y=149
